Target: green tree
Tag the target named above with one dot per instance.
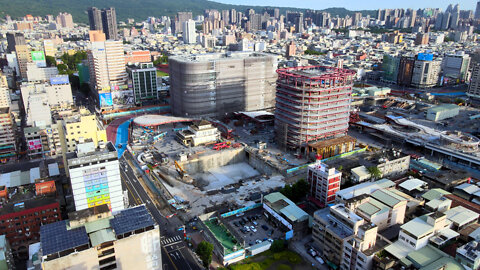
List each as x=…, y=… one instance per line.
x=161, y=60
x=62, y=68
x=278, y=245
x=204, y=251
x=374, y=172
x=72, y=60
x=51, y=61
x=313, y=52
x=297, y=191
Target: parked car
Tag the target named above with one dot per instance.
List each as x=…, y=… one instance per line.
x=235, y=223
x=252, y=227
x=258, y=241
x=320, y=260
x=265, y=227
x=312, y=252
x=270, y=240
x=255, y=223
x=254, y=230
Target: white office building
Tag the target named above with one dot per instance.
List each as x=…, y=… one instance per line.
x=189, y=34
x=95, y=176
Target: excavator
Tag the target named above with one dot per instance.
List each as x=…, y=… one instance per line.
x=180, y=170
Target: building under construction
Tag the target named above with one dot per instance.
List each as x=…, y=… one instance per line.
x=313, y=103
x=213, y=85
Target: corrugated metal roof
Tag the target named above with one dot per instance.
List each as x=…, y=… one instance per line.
x=291, y=211
x=417, y=227
x=294, y=213
x=387, y=197
x=435, y=203
x=468, y=188
x=102, y=236
x=435, y=193
x=424, y=256
x=412, y=184
x=97, y=225
x=461, y=215
x=398, y=249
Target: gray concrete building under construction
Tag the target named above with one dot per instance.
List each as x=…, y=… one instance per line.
x=213, y=85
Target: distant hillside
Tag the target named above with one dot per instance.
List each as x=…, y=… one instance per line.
x=137, y=9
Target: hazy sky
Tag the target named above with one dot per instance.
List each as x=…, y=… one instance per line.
x=356, y=4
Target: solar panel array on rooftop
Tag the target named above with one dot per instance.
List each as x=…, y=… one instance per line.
x=131, y=219
x=56, y=238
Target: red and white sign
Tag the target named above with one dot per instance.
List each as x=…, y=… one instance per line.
x=34, y=144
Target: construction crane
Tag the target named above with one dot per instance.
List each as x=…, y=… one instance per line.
x=180, y=170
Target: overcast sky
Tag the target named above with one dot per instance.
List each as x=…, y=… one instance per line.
x=356, y=4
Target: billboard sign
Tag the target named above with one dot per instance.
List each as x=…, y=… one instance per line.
x=105, y=99
x=38, y=57
x=425, y=56
x=123, y=98
x=34, y=144
x=59, y=80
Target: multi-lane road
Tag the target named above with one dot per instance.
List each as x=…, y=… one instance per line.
x=175, y=253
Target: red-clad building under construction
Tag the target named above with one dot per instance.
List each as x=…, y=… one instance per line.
x=312, y=103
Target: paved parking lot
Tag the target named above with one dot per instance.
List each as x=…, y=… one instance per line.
x=260, y=234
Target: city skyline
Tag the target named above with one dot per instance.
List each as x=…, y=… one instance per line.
x=356, y=5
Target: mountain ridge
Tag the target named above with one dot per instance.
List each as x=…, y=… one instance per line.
x=137, y=9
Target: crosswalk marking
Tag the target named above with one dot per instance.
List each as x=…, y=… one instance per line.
x=171, y=240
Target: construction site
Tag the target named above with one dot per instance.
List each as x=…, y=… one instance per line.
x=204, y=160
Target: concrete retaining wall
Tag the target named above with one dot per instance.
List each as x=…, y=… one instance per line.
x=260, y=165
x=218, y=159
